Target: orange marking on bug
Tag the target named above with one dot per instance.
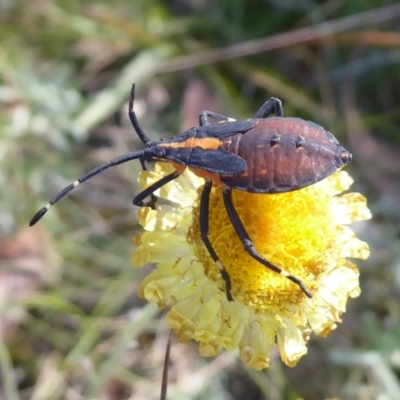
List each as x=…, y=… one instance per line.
x=205, y=144
x=208, y=176
x=179, y=167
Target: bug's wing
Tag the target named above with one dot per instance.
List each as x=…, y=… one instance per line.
x=225, y=129
x=218, y=161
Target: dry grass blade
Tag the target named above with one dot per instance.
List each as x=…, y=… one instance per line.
x=374, y=38
x=164, y=382
x=282, y=40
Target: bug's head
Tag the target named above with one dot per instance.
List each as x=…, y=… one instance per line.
x=155, y=152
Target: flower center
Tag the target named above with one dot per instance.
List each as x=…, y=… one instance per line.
x=292, y=230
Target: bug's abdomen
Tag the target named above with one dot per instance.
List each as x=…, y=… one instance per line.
x=284, y=154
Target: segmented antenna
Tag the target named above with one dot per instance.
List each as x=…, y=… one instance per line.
x=115, y=161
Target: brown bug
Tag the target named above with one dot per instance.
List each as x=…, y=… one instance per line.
x=258, y=155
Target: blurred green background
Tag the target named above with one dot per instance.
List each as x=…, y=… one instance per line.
x=71, y=325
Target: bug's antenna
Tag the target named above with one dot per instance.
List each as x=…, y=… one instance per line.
x=115, y=161
x=132, y=116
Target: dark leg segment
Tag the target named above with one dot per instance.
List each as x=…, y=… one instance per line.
x=138, y=200
x=272, y=105
x=203, y=117
x=249, y=245
x=143, y=164
x=153, y=197
x=204, y=226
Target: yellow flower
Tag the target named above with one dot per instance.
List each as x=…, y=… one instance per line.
x=303, y=231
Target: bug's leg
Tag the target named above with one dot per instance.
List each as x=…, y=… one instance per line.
x=249, y=245
x=153, y=197
x=143, y=164
x=135, y=123
x=138, y=200
x=203, y=117
x=204, y=226
x=272, y=105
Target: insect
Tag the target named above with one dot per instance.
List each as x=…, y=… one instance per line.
x=262, y=154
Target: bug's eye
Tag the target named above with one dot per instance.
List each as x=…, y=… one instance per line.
x=346, y=157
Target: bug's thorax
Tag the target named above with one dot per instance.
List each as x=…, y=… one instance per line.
x=188, y=150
